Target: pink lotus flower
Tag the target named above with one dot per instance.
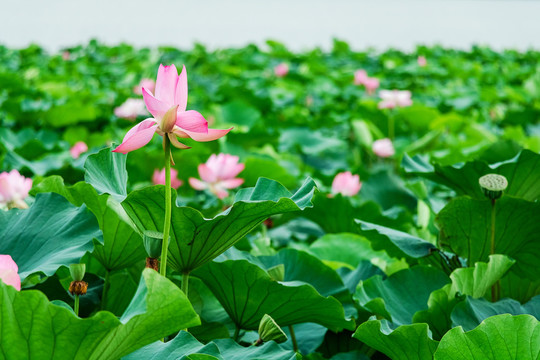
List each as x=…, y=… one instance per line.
x=168, y=106
x=218, y=174
x=346, y=184
x=383, y=148
x=77, y=149
x=281, y=70
x=65, y=55
x=8, y=272
x=422, y=61
x=371, y=85
x=159, y=178
x=148, y=84
x=360, y=77
x=130, y=109
x=14, y=189
x=394, y=98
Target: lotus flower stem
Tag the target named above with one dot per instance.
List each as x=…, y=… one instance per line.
x=105, y=289
x=293, y=339
x=185, y=283
x=167, y=222
x=236, y=333
x=391, y=126
x=76, y=306
x=495, y=289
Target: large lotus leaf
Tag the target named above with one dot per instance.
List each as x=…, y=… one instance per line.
x=402, y=294
x=247, y=293
x=34, y=328
x=406, y=342
x=519, y=288
x=522, y=172
x=471, y=312
x=465, y=229
x=122, y=244
x=499, y=337
x=196, y=240
x=106, y=172
x=184, y=344
x=49, y=234
x=470, y=281
x=399, y=244
x=333, y=214
x=301, y=266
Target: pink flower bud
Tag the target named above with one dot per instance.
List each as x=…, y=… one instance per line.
x=8, y=272
x=422, y=61
x=281, y=70
x=158, y=178
x=77, y=149
x=346, y=184
x=360, y=77
x=383, y=148
x=371, y=85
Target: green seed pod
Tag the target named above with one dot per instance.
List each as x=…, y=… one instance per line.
x=153, y=241
x=77, y=271
x=269, y=330
x=493, y=185
x=277, y=272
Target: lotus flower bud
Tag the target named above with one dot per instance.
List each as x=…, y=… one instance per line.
x=269, y=330
x=493, y=185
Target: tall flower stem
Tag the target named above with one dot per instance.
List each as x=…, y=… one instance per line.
x=495, y=289
x=185, y=283
x=76, y=306
x=167, y=221
x=293, y=338
x=391, y=126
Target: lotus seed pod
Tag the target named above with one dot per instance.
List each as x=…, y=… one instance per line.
x=493, y=185
x=153, y=241
x=269, y=330
x=77, y=271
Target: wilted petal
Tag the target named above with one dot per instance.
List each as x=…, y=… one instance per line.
x=177, y=144
x=181, y=94
x=192, y=121
x=138, y=136
x=155, y=107
x=231, y=183
x=197, y=184
x=166, y=84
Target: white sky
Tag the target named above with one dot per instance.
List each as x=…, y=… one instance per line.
x=301, y=24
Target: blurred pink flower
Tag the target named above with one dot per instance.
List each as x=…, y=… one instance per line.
x=371, y=85
x=281, y=70
x=360, y=77
x=159, y=178
x=77, y=149
x=130, y=109
x=14, y=189
x=65, y=55
x=148, y=84
x=218, y=174
x=346, y=184
x=383, y=148
x=168, y=106
x=394, y=98
x=422, y=61
x=8, y=272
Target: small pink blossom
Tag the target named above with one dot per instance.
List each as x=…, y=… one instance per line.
x=360, y=77
x=14, y=189
x=77, y=149
x=130, y=109
x=168, y=106
x=281, y=70
x=422, y=61
x=219, y=174
x=148, y=84
x=8, y=272
x=383, y=148
x=394, y=98
x=159, y=178
x=346, y=184
x=66, y=55
x=371, y=85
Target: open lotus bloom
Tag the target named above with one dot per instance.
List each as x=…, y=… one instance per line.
x=422, y=61
x=77, y=149
x=394, y=98
x=130, y=109
x=383, y=148
x=148, y=84
x=14, y=189
x=158, y=178
x=168, y=106
x=281, y=70
x=218, y=175
x=8, y=272
x=346, y=184
x=360, y=76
